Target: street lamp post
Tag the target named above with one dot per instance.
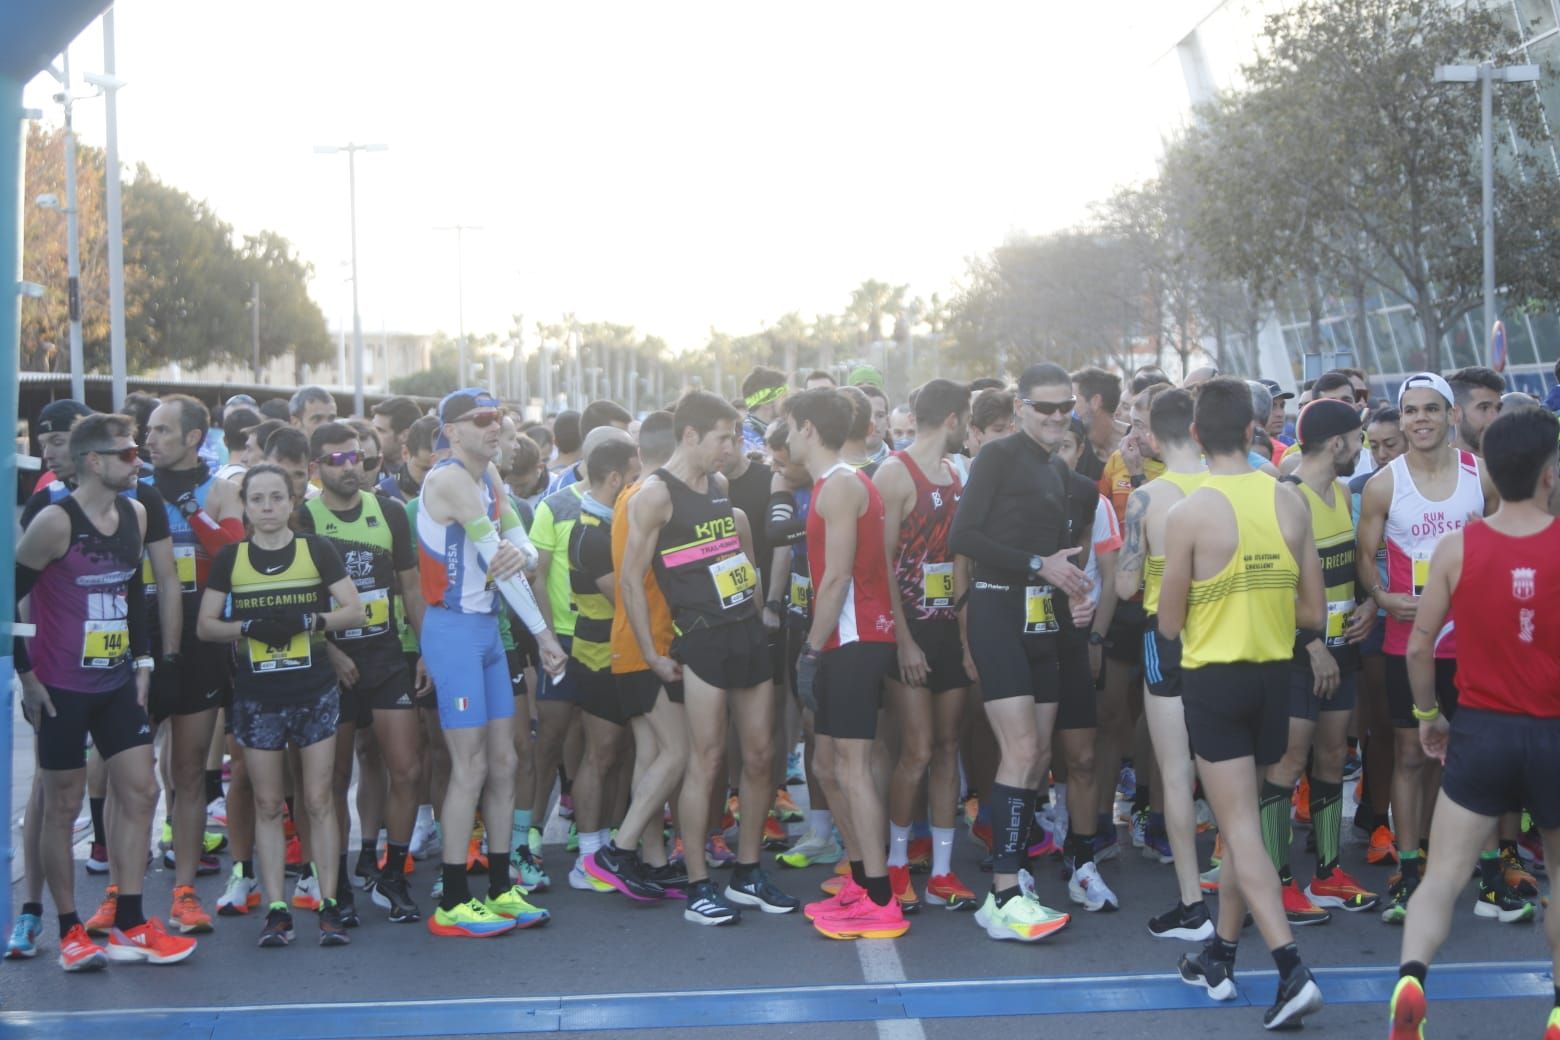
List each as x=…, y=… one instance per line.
x=460, y=293
x=78, y=371
x=357, y=321
x=1487, y=75
x=113, y=211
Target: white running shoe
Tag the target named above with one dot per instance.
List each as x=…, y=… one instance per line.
x=216, y=812
x=306, y=893
x=584, y=882
x=1088, y=889
x=242, y=895
x=425, y=842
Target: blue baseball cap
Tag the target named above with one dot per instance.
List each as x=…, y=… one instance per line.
x=458, y=403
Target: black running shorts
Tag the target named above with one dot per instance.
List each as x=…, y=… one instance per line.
x=1400, y=696
x=1238, y=710
x=597, y=693
x=1011, y=663
x=944, y=650
x=271, y=727
x=637, y=692
x=1498, y=763
x=114, y=719
x=1124, y=638
x=1161, y=663
x=849, y=690
x=734, y=656
x=201, y=681
x=1076, y=696
x=1305, y=704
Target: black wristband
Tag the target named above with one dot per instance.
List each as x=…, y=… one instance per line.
x=1309, y=635
x=774, y=605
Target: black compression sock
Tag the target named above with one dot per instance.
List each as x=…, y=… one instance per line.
x=858, y=873
x=248, y=867
x=743, y=871
x=67, y=922
x=1221, y=949
x=1079, y=848
x=213, y=785
x=878, y=890
x=1287, y=958
x=1414, y=968
x=498, y=873
x=36, y=909
x=1011, y=808
x=395, y=860
x=456, y=891
x=343, y=881
x=128, y=913
x=99, y=835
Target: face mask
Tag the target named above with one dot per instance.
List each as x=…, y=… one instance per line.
x=594, y=508
x=902, y=443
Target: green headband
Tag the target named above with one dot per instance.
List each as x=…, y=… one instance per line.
x=766, y=396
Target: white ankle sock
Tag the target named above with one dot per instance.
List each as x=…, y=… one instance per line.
x=942, y=851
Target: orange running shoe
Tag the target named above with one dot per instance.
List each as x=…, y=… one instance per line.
x=187, y=914
x=1299, y=909
x=476, y=859
x=1341, y=891
x=920, y=854
x=834, y=883
x=863, y=919
x=948, y=891
x=904, y=891
x=733, y=813
x=1408, y=1010
x=150, y=942
x=102, y=922
x=776, y=837
x=981, y=832
x=79, y=953
x=1382, y=848
x=1516, y=876
x=786, y=807
x=1301, y=800
x=294, y=857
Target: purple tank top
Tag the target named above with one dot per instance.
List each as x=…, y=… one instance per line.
x=80, y=605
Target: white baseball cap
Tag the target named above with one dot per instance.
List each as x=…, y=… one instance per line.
x=1426, y=381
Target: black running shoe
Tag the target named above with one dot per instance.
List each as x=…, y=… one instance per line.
x=392, y=893
x=1214, y=976
x=347, y=904
x=367, y=869
x=1298, y=996
x=1190, y=925
x=753, y=888
x=673, y=879
x=705, y=906
x=626, y=874
x=278, y=930
x=332, y=931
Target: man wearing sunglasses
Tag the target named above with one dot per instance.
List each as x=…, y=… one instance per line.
x=1024, y=522
x=472, y=550
x=375, y=542
x=78, y=564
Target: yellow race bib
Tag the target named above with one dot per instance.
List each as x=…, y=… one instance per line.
x=1338, y=612
x=801, y=593
x=298, y=653
x=936, y=585
x=104, y=643
x=1039, y=610
x=735, y=580
x=1421, y=575
x=376, y=615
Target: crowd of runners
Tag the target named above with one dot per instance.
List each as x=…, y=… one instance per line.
x=1079, y=615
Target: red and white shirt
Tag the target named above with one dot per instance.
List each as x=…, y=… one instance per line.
x=866, y=616
x=1414, y=525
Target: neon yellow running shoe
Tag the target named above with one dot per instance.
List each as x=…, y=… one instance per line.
x=513, y=905
x=469, y=920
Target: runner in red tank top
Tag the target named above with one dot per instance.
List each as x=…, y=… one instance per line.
x=848, y=651
x=927, y=688
x=1502, y=750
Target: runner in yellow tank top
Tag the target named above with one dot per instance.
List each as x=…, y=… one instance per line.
x=1237, y=552
x=1169, y=432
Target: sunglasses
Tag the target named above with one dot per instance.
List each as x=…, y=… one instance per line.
x=340, y=458
x=1050, y=407
x=1362, y=396
x=481, y=420
x=126, y=455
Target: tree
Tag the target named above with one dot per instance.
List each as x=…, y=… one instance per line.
x=290, y=321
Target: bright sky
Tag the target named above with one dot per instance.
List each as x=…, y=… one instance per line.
x=671, y=166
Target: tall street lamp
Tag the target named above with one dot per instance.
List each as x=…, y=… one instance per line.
x=1487, y=75
x=357, y=321
x=463, y=376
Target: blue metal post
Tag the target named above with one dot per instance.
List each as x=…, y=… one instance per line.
x=12, y=127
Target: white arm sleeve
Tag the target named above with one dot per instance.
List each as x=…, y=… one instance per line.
x=514, y=588
x=517, y=537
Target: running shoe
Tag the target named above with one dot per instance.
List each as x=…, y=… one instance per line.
x=148, y=942
x=1107, y=843
x=1156, y=846
x=346, y=907
x=306, y=893
x=810, y=850
x=333, y=930
x=980, y=830
x=97, y=859
x=1352, y=766
x=754, y=889
x=1208, y=880
x=102, y=920
x=582, y=881
x=513, y=905
x=529, y=871
x=1088, y=889
x=241, y=896
x=903, y=889
x=920, y=855
x=293, y=858
x=776, y=838
x=733, y=813
x=786, y=808
x=1021, y=919
x=1042, y=842
x=1138, y=829
x=409, y=867
x=566, y=803
x=706, y=906
x=1126, y=783
x=23, y=944
x=366, y=870
x=716, y=853
x=187, y=915
x=1382, y=848
x=833, y=883
x=394, y=893
x=1530, y=849
x=79, y=953
x=1398, y=894
x=621, y=870
x=1300, y=910
x=863, y=919
x=1341, y=891
x=1213, y=976
x=533, y=841
x=476, y=858
x=1189, y=925
x=469, y=920
x=167, y=833
x=795, y=775
x=209, y=863
x=278, y=929
x=1552, y=1032
x=216, y=812
x=673, y=879
x=1203, y=813
x=572, y=843
x=1408, y=1010
x=847, y=894
x=425, y=839
x=1300, y=801
x=947, y=890
x=1516, y=878
x=1298, y=996
x=1501, y=903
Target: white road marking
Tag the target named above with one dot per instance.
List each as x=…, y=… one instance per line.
x=880, y=964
